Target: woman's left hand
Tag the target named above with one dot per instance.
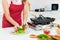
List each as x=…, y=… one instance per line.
x=26, y=25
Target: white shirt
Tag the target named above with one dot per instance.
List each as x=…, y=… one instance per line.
x=18, y=2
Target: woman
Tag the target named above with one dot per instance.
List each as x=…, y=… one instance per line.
x=13, y=16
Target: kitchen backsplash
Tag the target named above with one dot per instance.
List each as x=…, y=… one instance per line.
x=43, y=4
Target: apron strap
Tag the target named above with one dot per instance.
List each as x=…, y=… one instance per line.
x=11, y=2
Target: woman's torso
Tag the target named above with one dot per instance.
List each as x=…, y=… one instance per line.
x=15, y=9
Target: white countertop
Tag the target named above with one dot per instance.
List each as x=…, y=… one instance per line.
x=5, y=34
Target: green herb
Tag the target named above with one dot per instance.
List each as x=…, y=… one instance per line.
x=20, y=30
x=43, y=36
x=23, y=26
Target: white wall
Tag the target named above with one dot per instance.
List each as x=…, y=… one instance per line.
x=1, y=13
x=40, y=4
x=1, y=6
x=43, y=3
x=34, y=4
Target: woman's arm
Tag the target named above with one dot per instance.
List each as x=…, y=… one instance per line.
x=25, y=13
x=7, y=14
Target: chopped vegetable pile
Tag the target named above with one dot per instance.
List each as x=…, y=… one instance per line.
x=20, y=30
x=43, y=37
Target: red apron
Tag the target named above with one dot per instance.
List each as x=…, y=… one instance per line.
x=15, y=13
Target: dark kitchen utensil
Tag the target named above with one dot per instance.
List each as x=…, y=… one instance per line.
x=42, y=20
x=36, y=10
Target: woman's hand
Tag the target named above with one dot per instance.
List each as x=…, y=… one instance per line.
x=16, y=26
x=26, y=26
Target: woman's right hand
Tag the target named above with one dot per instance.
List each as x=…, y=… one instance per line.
x=16, y=26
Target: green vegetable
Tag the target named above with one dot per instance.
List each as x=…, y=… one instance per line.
x=20, y=30
x=58, y=25
x=43, y=36
x=23, y=26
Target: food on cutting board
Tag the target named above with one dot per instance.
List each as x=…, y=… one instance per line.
x=46, y=31
x=33, y=36
x=53, y=38
x=43, y=37
x=20, y=30
x=57, y=36
x=58, y=30
x=40, y=36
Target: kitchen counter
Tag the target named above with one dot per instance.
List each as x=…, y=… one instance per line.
x=5, y=34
